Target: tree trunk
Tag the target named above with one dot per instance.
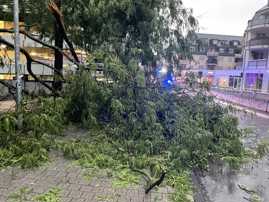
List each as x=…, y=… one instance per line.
x=58, y=61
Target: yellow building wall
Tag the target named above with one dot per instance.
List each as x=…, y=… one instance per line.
x=9, y=55
x=226, y=62
x=9, y=25
x=198, y=62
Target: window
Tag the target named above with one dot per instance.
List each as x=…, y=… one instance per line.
x=261, y=35
x=258, y=55
x=231, y=51
x=215, y=41
x=236, y=43
x=236, y=60
x=234, y=82
x=254, y=81
x=192, y=49
x=222, y=50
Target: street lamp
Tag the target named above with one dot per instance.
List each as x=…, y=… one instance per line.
x=17, y=55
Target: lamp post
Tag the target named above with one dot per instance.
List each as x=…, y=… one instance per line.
x=17, y=55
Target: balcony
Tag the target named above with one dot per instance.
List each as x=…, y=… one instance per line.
x=212, y=60
x=257, y=64
x=259, y=42
x=258, y=23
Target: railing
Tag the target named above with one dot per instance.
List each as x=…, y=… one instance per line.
x=250, y=99
x=258, y=42
x=238, y=67
x=257, y=64
x=256, y=22
x=212, y=54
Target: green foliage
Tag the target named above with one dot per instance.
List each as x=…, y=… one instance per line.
x=122, y=26
x=233, y=162
x=182, y=185
x=22, y=195
x=125, y=178
x=255, y=198
x=8, y=125
x=25, y=195
x=137, y=130
x=44, y=115
x=262, y=149
x=205, y=85
x=29, y=146
x=99, y=155
x=153, y=122
x=191, y=79
x=53, y=195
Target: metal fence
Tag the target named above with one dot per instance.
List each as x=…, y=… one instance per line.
x=250, y=99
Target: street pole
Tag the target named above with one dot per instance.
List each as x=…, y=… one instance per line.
x=242, y=87
x=17, y=55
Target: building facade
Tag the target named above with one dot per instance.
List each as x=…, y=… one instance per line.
x=214, y=56
x=37, y=52
x=256, y=52
x=215, y=52
x=240, y=63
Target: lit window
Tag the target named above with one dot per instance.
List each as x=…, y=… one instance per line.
x=215, y=42
x=236, y=43
x=221, y=50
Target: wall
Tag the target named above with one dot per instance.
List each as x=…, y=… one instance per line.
x=226, y=62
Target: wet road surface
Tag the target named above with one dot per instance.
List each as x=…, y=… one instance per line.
x=222, y=184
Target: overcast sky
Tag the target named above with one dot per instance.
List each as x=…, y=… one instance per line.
x=224, y=16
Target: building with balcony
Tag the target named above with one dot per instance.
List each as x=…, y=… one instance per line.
x=215, y=52
x=256, y=52
x=215, y=56
x=235, y=62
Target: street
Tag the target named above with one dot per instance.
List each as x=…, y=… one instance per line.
x=221, y=184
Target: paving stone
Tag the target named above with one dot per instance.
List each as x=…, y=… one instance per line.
x=66, y=199
x=74, y=188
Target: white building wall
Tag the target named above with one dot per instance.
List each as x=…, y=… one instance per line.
x=265, y=84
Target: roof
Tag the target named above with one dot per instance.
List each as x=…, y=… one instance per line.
x=219, y=37
x=263, y=10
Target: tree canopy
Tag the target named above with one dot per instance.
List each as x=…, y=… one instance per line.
x=152, y=27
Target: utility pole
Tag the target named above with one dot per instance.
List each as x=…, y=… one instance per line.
x=58, y=61
x=17, y=55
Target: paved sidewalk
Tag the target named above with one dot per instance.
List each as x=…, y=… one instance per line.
x=70, y=179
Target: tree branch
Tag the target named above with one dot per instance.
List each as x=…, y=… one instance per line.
x=42, y=43
x=27, y=55
x=157, y=183
x=53, y=8
x=11, y=87
x=29, y=63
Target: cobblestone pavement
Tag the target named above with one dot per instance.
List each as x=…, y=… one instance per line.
x=70, y=179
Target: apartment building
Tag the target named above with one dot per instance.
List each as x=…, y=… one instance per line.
x=213, y=53
x=233, y=61
x=256, y=52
